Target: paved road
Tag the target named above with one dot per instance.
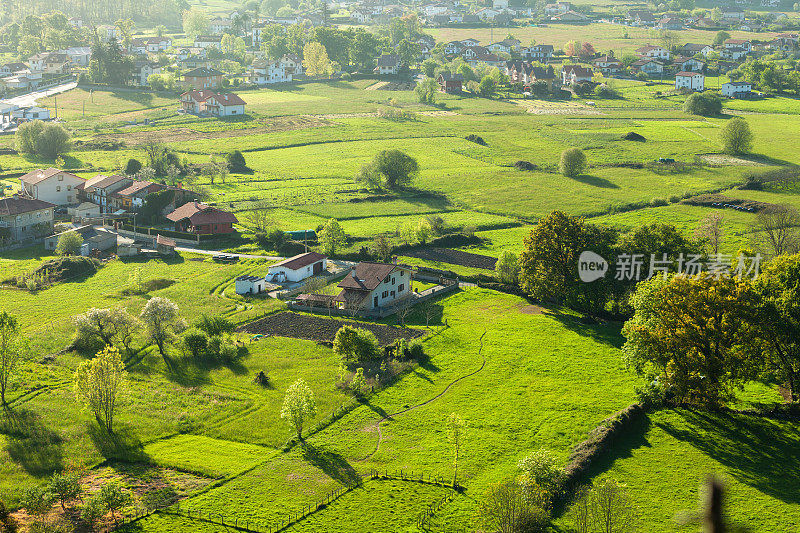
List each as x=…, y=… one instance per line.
x=27, y=100
x=217, y=252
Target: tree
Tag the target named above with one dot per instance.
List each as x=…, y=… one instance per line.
x=586, y=52
x=426, y=90
x=113, y=497
x=703, y=104
x=98, y=382
x=69, y=243
x=196, y=341
x=236, y=162
x=195, y=22
x=487, y=86
x=315, y=60
x=161, y=318
x=737, y=139
x=408, y=51
x=331, y=237
x=298, y=405
x=709, y=231
x=53, y=141
x=65, y=486
x=779, y=320
x=11, y=349
x=571, y=48
x=550, y=258
x=359, y=382
x=541, y=477
x=505, y=510
x=393, y=167
x=721, y=36
x=573, y=162
x=105, y=327
x=37, y=500
x=688, y=333
x=423, y=231
x=132, y=167
x=429, y=67
x=26, y=136
x=381, y=248
x=606, y=508
x=507, y=268
x=455, y=434
x=355, y=345
x=776, y=230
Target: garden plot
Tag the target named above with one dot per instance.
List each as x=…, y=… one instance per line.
x=315, y=328
x=455, y=257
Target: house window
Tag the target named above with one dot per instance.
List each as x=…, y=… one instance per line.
x=392, y=281
x=385, y=294
x=69, y=187
x=60, y=177
x=58, y=188
x=401, y=287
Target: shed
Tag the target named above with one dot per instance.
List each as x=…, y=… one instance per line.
x=250, y=285
x=85, y=210
x=165, y=245
x=299, y=267
x=94, y=238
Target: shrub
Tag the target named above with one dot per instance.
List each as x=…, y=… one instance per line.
x=196, y=341
x=355, y=345
x=93, y=510
x=542, y=478
x=504, y=508
x=37, y=500
x=236, y=162
x=604, y=91
x=475, y=139
x=524, y=165
x=52, y=141
x=737, y=139
x=703, y=104
x=359, y=382
x=656, y=202
x=69, y=244
x=273, y=239
x=416, y=350
x=228, y=352
x=573, y=162
x=215, y=325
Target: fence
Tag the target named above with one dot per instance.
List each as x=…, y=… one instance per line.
x=256, y=526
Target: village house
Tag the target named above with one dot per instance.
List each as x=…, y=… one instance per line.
x=204, y=78
x=388, y=65
x=83, y=211
x=733, y=54
x=485, y=57
x=250, y=285
x=361, y=16
x=206, y=41
x=78, y=55
x=744, y=44
x=293, y=65
x=30, y=113
x=371, y=286
x=507, y=46
x=224, y=105
x=94, y=238
x=572, y=17
x=142, y=71
x=692, y=49
x=693, y=81
x=202, y=219
x=218, y=26
x=538, y=52
x=653, y=52
x=132, y=197
x=487, y=14
x=52, y=185
x=12, y=68
x=571, y=74
x=471, y=52
x=670, y=23
x=736, y=89
x=24, y=219
x=267, y=71
x=453, y=47
x=297, y=268
x=557, y=8
x=193, y=101
x=648, y=66
x=688, y=64
x=426, y=45
x=607, y=64
x=640, y=17
x=106, y=32
x=450, y=83
x=99, y=189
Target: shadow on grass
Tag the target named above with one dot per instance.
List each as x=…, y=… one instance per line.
x=123, y=444
x=29, y=443
x=759, y=452
x=331, y=463
x=596, y=181
x=380, y=411
x=608, y=334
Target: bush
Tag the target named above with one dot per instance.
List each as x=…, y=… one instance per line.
x=228, y=352
x=573, y=162
x=416, y=350
x=657, y=202
x=216, y=325
x=69, y=244
x=236, y=162
x=737, y=139
x=703, y=104
x=505, y=508
x=46, y=139
x=524, y=165
x=475, y=139
x=133, y=166
x=274, y=239
x=355, y=345
x=604, y=91
x=196, y=341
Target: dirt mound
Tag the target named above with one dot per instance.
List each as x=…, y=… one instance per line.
x=524, y=165
x=314, y=328
x=633, y=136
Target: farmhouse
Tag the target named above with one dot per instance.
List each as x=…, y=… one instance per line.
x=250, y=285
x=694, y=81
x=202, y=219
x=450, y=83
x=94, y=238
x=204, y=78
x=374, y=285
x=575, y=74
x=388, y=65
x=607, y=64
x=299, y=267
x=224, y=105
x=736, y=89
x=653, y=52
x=24, y=219
x=52, y=185
x=100, y=188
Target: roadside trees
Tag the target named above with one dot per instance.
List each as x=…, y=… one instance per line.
x=98, y=382
x=573, y=162
x=737, y=139
x=298, y=405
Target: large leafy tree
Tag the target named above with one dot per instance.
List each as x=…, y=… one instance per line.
x=549, y=262
x=779, y=324
x=316, y=61
x=331, y=237
x=391, y=169
x=693, y=334
x=98, y=383
x=11, y=350
x=298, y=405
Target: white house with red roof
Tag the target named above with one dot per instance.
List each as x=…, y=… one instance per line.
x=52, y=185
x=206, y=101
x=694, y=81
x=653, y=52
x=299, y=267
x=374, y=285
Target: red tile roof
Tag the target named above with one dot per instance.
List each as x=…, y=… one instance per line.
x=366, y=276
x=301, y=260
x=14, y=205
x=228, y=99
x=139, y=186
x=200, y=213
x=39, y=175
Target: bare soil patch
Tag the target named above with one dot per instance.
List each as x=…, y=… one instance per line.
x=321, y=329
x=722, y=160
x=187, y=134
x=454, y=257
x=531, y=310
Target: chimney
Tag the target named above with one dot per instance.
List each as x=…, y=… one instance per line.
x=353, y=273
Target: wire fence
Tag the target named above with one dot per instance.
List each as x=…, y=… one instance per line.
x=260, y=526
